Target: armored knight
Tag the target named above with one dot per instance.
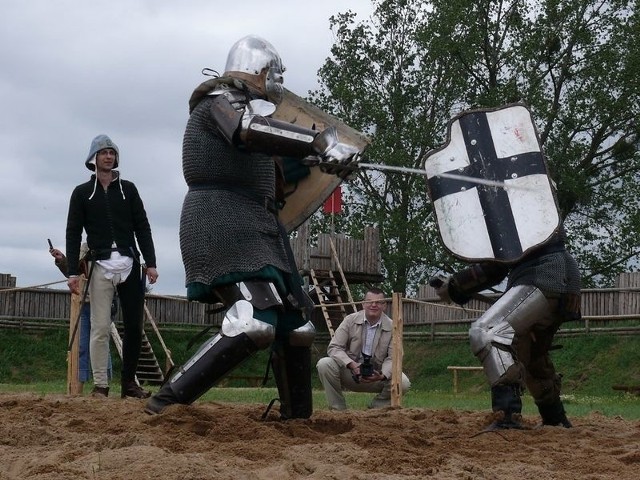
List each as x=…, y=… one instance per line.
x=496, y=209
x=234, y=249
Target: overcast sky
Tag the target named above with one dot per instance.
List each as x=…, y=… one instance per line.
x=72, y=69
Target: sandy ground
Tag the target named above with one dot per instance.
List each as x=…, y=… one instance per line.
x=58, y=437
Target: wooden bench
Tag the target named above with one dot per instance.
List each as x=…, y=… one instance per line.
x=455, y=369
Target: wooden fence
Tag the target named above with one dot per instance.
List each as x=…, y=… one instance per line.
x=607, y=309
x=52, y=306
x=615, y=310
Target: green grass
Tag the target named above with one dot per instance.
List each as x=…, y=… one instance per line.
x=591, y=366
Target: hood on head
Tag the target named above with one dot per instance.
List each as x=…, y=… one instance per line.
x=100, y=143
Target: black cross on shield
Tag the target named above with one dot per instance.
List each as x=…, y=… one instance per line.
x=494, y=161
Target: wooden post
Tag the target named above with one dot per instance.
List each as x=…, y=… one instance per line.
x=455, y=380
x=454, y=369
x=74, y=386
x=398, y=352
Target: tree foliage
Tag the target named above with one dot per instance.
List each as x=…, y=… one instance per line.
x=400, y=76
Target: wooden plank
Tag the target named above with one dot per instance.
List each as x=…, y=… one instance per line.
x=74, y=386
x=398, y=351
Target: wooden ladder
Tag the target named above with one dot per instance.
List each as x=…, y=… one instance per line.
x=149, y=370
x=328, y=293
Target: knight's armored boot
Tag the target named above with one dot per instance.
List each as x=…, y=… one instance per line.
x=213, y=361
x=553, y=414
x=291, y=363
x=241, y=336
x=507, y=405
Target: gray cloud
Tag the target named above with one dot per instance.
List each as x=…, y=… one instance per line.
x=73, y=69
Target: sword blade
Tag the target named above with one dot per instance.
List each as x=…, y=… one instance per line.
x=453, y=176
x=390, y=168
x=479, y=181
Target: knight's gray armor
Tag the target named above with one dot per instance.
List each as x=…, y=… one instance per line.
x=233, y=247
x=543, y=290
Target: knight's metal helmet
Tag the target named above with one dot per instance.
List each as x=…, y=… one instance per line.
x=255, y=57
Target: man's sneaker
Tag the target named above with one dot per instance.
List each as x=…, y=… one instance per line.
x=133, y=390
x=100, y=392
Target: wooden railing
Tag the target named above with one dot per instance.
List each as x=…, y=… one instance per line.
x=615, y=310
x=360, y=259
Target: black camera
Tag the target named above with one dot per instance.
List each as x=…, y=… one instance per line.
x=366, y=368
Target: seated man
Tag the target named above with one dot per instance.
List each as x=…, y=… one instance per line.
x=360, y=356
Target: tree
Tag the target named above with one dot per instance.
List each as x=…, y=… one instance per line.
x=402, y=74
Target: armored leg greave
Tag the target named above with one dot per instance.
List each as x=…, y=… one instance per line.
x=291, y=363
x=492, y=335
x=241, y=336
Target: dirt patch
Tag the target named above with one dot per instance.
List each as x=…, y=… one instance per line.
x=58, y=437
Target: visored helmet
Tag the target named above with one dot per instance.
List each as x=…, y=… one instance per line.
x=257, y=59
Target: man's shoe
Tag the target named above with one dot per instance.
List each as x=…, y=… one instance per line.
x=133, y=390
x=161, y=400
x=513, y=423
x=553, y=414
x=100, y=392
x=377, y=403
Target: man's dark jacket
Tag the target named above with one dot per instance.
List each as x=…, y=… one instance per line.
x=117, y=215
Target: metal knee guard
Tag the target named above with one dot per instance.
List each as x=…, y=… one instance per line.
x=291, y=363
x=491, y=336
x=241, y=336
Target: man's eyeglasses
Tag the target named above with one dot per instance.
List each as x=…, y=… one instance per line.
x=375, y=302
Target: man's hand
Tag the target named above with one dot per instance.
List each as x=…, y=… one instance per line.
x=152, y=275
x=333, y=154
x=376, y=377
x=441, y=283
x=74, y=285
x=57, y=254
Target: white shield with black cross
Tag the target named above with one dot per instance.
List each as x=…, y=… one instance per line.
x=489, y=185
